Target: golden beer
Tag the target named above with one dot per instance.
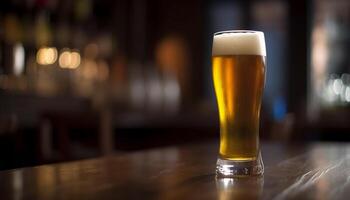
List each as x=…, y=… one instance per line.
x=239, y=81
x=238, y=66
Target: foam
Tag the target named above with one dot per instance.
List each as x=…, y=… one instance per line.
x=239, y=43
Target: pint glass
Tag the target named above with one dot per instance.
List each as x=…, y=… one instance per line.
x=238, y=66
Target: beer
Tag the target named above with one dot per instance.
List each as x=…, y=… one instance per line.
x=238, y=66
x=239, y=81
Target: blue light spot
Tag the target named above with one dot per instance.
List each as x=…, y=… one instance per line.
x=279, y=109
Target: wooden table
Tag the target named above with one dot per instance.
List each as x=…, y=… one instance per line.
x=315, y=171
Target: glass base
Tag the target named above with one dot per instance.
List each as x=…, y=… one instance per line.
x=237, y=168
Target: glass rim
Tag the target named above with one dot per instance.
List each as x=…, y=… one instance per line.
x=236, y=31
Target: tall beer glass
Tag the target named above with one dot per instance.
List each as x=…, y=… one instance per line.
x=238, y=65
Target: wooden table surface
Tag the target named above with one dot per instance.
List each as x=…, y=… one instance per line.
x=314, y=171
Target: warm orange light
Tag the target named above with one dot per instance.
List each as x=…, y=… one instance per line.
x=75, y=60
x=64, y=59
x=46, y=56
x=69, y=60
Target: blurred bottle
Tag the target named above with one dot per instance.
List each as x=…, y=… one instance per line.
x=119, y=79
x=12, y=54
x=46, y=76
x=12, y=36
x=173, y=61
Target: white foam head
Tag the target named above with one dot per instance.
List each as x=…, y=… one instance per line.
x=240, y=42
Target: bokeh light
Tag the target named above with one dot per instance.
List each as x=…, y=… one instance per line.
x=69, y=59
x=46, y=55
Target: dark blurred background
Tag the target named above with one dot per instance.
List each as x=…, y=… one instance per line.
x=85, y=78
